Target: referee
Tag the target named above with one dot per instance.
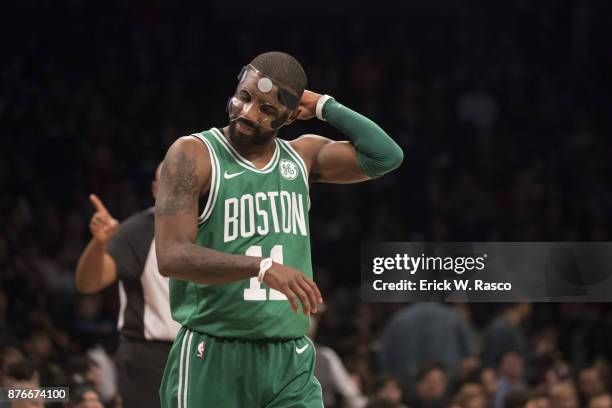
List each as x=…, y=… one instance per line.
x=127, y=252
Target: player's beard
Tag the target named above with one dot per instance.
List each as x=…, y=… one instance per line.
x=242, y=140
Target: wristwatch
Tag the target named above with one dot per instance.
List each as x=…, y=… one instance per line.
x=264, y=265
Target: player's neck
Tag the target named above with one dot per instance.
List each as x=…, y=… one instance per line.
x=258, y=155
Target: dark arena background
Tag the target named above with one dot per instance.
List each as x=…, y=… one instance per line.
x=502, y=110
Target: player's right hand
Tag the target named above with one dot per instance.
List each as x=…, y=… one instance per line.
x=308, y=105
x=295, y=285
x=102, y=224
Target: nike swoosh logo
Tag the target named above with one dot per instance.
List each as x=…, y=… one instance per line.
x=300, y=350
x=228, y=176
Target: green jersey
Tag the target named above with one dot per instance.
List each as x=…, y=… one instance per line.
x=256, y=212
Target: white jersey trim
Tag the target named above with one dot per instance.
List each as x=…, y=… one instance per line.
x=215, y=182
x=293, y=153
x=271, y=165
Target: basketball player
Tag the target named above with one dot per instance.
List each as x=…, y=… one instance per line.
x=239, y=261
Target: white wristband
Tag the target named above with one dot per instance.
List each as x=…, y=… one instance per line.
x=320, y=103
x=264, y=265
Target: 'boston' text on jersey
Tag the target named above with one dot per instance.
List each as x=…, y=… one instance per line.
x=279, y=212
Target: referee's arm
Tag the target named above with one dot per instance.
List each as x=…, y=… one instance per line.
x=96, y=268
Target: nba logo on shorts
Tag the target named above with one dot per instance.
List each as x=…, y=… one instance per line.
x=288, y=169
x=201, y=348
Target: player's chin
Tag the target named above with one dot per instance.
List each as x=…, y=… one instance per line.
x=257, y=138
x=240, y=132
x=245, y=129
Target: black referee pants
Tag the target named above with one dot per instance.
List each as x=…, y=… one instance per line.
x=140, y=367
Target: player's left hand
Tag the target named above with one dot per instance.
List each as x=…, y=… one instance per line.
x=308, y=105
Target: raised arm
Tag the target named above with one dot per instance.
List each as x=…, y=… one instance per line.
x=370, y=153
x=96, y=268
x=185, y=175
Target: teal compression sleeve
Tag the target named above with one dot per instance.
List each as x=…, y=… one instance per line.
x=377, y=153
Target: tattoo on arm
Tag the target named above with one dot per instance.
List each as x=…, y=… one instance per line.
x=181, y=185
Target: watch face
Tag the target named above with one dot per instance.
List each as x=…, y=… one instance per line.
x=266, y=263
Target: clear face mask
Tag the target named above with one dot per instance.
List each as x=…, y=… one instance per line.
x=272, y=101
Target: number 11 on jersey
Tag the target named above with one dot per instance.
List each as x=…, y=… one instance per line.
x=255, y=291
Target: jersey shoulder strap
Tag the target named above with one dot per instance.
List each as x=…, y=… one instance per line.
x=215, y=176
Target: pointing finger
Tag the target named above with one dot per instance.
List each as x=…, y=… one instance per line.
x=98, y=204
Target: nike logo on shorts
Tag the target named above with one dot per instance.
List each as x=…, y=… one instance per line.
x=228, y=176
x=300, y=350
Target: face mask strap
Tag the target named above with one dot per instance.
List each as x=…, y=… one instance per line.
x=280, y=121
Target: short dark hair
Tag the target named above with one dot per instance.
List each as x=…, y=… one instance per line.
x=22, y=371
x=78, y=395
x=383, y=379
x=383, y=403
x=427, y=368
x=283, y=68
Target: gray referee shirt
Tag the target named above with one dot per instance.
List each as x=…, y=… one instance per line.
x=144, y=311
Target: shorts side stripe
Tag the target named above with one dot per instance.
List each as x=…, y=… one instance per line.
x=180, y=384
x=187, y=359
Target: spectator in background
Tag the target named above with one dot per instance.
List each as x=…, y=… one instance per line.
x=471, y=395
x=43, y=354
x=538, y=398
x=85, y=397
x=558, y=372
x=8, y=357
x=331, y=373
x=126, y=253
x=602, y=400
x=423, y=333
x=511, y=377
x=564, y=395
x=490, y=382
x=82, y=370
x=389, y=389
x=22, y=374
x=515, y=399
x=505, y=334
x=382, y=403
x=431, y=387
x=591, y=382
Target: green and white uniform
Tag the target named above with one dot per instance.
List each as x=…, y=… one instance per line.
x=256, y=212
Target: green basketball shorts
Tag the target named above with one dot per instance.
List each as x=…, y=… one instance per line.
x=204, y=371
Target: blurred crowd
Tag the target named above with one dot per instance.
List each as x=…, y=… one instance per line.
x=501, y=108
